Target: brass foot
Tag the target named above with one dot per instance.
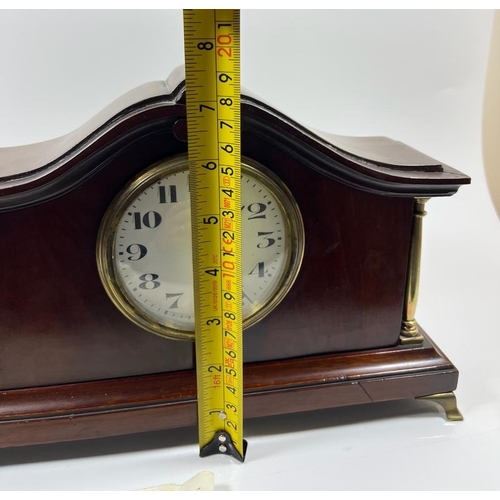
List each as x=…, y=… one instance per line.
x=448, y=402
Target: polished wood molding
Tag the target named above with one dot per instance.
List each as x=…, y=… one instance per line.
x=168, y=400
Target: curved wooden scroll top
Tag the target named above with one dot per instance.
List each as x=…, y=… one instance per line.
x=374, y=164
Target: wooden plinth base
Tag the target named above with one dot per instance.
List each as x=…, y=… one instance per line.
x=153, y=402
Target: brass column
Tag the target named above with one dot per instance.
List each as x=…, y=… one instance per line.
x=409, y=329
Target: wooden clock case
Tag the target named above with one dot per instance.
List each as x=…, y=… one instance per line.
x=73, y=367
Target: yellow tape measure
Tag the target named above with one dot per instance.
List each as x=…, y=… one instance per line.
x=212, y=55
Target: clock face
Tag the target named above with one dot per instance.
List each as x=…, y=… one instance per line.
x=144, y=247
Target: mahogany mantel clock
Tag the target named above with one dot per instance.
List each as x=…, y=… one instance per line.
x=96, y=308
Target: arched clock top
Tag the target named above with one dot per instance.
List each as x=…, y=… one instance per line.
x=36, y=173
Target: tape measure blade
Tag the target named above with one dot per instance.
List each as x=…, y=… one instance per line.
x=212, y=52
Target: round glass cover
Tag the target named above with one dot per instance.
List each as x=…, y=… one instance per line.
x=144, y=247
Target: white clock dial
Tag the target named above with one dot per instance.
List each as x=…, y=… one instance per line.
x=150, y=259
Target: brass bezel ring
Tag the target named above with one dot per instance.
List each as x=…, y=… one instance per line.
x=106, y=240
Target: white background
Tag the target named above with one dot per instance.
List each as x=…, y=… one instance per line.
x=415, y=76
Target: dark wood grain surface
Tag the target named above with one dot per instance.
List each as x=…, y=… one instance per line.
x=58, y=325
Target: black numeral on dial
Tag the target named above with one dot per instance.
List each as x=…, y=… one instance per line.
x=149, y=281
x=137, y=251
x=258, y=269
x=172, y=192
x=270, y=241
x=257, y=210
x=150, y=220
